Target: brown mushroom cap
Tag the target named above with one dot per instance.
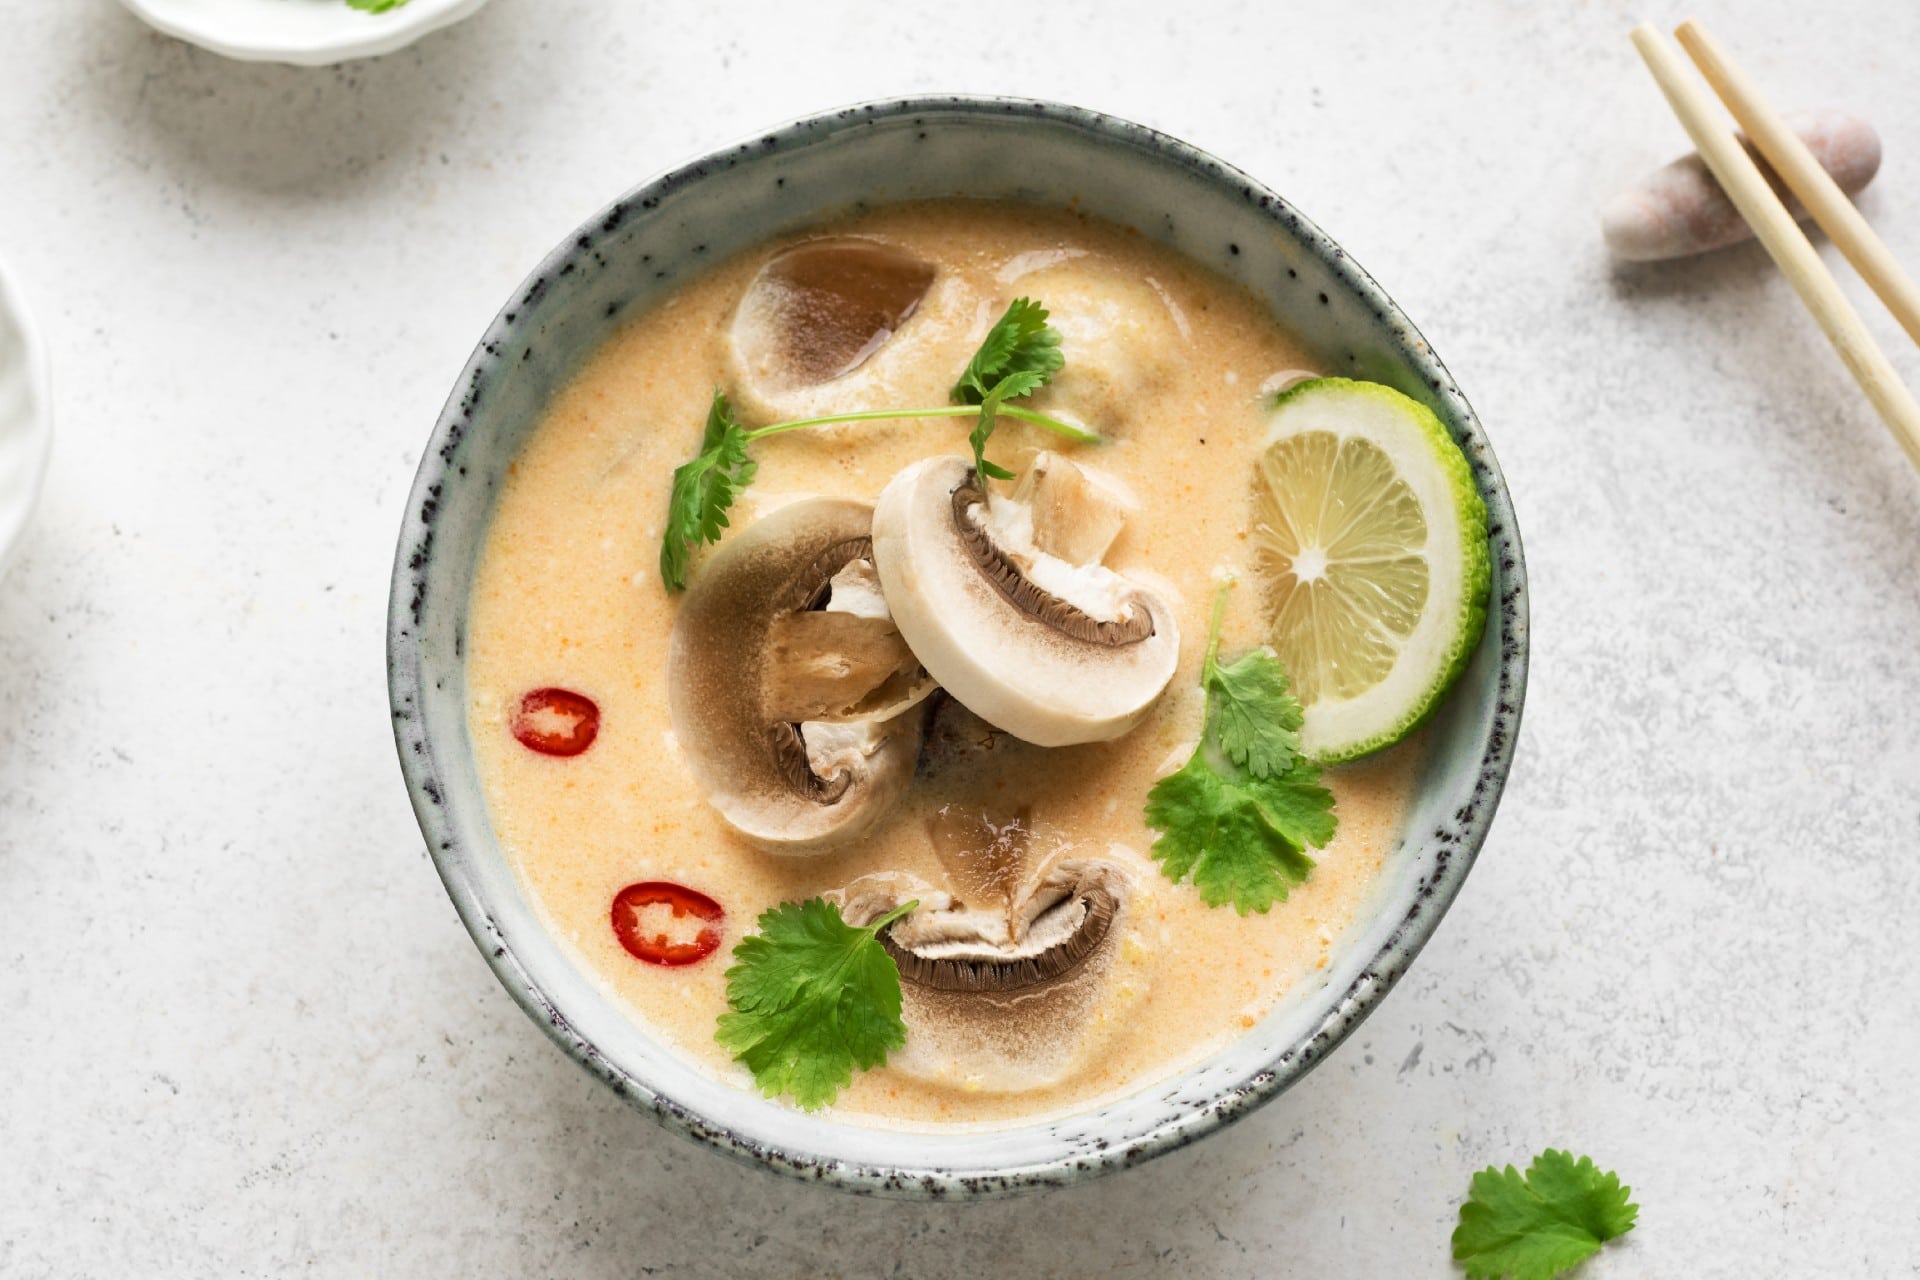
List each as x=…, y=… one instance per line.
x=818, y=310
x=788, y=786
x=1055, y=928
x=841, y=323
x=1010, y=1001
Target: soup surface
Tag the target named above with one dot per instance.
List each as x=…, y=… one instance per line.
x=1168, y=361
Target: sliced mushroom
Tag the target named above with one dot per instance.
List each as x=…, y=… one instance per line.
x=1010, y=998
x=843, y=660
x=802, y=733
x=1059, y=924
x=838, y=324
x=1051, y=651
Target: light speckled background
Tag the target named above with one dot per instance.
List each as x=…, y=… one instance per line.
x=242, y=1032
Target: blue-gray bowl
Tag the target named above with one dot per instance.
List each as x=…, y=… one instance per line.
x=628, y=256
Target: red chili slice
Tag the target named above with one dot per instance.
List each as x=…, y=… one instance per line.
x=657, y=947
x=556, y=722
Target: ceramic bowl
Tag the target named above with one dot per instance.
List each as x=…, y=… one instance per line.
x=26, y=417
x=628, y=256
x=308, y=33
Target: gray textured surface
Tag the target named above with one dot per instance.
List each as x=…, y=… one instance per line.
x=241, y=1029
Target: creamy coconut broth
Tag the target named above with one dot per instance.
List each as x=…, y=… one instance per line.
x=1168, y=362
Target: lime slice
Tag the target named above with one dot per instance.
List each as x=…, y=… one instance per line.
x=1370, y=542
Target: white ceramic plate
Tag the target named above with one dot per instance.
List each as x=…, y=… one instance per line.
x=26, y=417
x=308, y=33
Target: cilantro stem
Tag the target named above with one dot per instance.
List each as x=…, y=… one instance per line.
x=873, y=930
x=1079, y=435
x=1211, y=663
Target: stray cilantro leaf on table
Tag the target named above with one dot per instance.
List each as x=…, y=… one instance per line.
x=1238, y=817
x=1538, y=1226
x=813, y=999
x=1019, y=355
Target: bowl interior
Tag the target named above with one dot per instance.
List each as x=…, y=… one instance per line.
x=627, y=258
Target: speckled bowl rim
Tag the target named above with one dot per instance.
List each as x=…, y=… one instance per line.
x=1434, y=894
x=33, y=434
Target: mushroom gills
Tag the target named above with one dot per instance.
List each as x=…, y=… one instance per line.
x=1087, y=600
x=1062, y=922
x=802, y=735
x=1054, y=652
x=1018, y=999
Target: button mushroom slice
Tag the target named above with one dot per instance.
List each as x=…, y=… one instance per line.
x=1015, y=998
x=1053, y=652
x=745, y=682
x=1045, y=936
x=838, y=324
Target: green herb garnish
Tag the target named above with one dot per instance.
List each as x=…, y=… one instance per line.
x=703, y=490
x=813, y=999
x=1536, y=1227
x=1019, y=355
x=1239, y=815
x=375, y=6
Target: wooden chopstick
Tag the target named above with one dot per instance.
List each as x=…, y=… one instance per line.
x=1783, y=239
x=1802, y=173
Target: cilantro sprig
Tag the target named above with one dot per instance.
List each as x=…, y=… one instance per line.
x=704, y=488
x=812, y=999
x=1538, y=1226
x=1019, y=355
x=1238, y=817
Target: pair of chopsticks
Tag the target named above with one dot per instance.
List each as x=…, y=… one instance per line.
x=1754, y=197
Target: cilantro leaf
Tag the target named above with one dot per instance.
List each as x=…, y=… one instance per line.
x=1259, y=720
x=1536, y=1227
x=1217, y=831
x=1296, y=805
x=375, y=6
x=703, y=489
x=812, y=999
x=1019, y=355
x=1238, y=817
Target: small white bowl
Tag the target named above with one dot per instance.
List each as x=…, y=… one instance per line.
x=307, y=33
x=26, y=417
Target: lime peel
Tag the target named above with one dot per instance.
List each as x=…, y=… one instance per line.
x=1370, y=540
